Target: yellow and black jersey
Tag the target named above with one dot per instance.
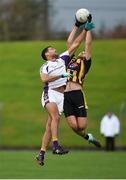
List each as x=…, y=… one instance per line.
x=78, y=68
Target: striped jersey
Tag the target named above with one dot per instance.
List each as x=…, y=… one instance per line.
x=78, y=68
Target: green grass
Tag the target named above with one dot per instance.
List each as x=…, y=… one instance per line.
x=20, y=91
x=75, y=165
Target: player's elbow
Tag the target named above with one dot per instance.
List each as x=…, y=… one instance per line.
x=44, y=79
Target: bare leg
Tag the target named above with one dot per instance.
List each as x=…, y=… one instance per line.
x=82, y=125
x=51, y=131
x=55, y=118
x=78, y=125
x=45, y=142
x=47, y=135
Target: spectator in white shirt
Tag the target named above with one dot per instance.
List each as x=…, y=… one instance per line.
x=109, y=128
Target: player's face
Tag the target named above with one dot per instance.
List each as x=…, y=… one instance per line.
x=52, y=53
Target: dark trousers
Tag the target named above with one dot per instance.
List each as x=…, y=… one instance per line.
x=110, y=143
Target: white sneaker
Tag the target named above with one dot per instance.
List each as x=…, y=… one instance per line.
x=93, y=140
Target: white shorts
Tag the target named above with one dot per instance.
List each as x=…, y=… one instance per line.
x=53, y=96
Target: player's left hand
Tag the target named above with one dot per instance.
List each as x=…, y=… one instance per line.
x=89, y=26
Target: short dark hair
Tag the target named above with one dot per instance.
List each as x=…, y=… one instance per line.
x=44, y=51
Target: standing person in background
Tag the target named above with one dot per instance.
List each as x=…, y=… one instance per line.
x=109, y=128
x=75, y=106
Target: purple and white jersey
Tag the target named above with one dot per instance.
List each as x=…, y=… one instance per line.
x=56, y=68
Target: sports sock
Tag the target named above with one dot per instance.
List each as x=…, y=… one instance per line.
x=86, y=136
x=81, y=132
x=55, y=144
x=42, y=153
x=43, y=149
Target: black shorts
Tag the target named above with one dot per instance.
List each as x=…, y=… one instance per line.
x=74, y=104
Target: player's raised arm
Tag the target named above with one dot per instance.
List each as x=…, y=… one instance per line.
x=73, y=32
x=71, y=36
x=87, y=27
x=76, y=42
x=88, y=43
x=72, y=43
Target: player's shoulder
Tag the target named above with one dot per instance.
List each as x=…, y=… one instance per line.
x=65, y=53
x=65, y=57
x=44, y=66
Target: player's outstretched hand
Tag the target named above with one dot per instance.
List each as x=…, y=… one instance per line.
x=66, y=75
x=77, y=23
x=89, y=26
x=89, y=18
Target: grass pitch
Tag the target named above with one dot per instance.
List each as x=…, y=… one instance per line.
x=23, y=120
x=76, y=164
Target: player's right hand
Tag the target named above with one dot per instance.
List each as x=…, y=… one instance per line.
x=89, y=26
x=77, y=23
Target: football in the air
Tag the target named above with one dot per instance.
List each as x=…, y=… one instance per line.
x=82, y=14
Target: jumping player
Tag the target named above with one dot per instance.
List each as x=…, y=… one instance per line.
x=75, y=107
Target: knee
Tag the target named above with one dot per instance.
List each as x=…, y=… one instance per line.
x=80, y=129
x=82, y=126
x=74, y=126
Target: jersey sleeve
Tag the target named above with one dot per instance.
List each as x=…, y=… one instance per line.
x=65, y=57
x=44, y=69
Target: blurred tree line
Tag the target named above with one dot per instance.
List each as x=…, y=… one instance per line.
x=31, y=19
x=119, y=31
x=24, y=19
